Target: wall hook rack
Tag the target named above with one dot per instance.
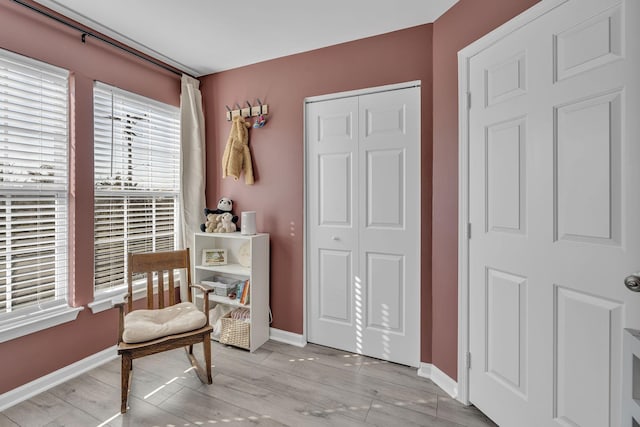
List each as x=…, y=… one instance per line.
x=248, y=111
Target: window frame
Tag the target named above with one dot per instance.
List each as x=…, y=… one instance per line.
x=105, y=298
x=20, y=74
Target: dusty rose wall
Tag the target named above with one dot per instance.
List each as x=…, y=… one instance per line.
x=27, y=358
x=277, y=149
x=464, y=23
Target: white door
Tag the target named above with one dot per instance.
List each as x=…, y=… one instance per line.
x=554, y=149
x=363, y=189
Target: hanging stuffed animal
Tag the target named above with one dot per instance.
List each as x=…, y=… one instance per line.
x=236, y=156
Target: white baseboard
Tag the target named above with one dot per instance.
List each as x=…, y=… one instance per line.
x=42, y=384
x=442, y=380
x=287, y=337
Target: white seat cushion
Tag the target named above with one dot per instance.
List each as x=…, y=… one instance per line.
x=146, y=325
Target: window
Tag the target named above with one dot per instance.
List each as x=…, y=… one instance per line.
x=33, y=187
x=136, y=179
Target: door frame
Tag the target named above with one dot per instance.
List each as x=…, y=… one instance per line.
x=464, y=103
x=305, y=213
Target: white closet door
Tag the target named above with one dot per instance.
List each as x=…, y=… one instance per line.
x=363, y=157
x=554, y=153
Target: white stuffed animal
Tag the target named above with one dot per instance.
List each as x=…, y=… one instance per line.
x=225, y=224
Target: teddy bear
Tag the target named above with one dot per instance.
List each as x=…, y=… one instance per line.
x=210, y=223
x=225, y=224
x=225, y=204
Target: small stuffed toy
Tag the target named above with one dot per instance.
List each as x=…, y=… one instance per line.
x=225, y=205
x=210, y=223
x=225, y=225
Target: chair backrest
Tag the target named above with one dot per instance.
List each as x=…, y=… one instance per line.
x=158, y=262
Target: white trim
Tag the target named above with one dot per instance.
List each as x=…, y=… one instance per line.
x=37, y=321
x=305, y=228
x=464, y=58
x=287, y=337
x=42, y=384
x=439, y=378
x=359, y=92
x=106, y=299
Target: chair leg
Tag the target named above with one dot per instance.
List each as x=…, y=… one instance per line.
x=207, y=356
x=126, y=371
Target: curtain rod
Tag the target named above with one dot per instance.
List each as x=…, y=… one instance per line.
x=102, y=39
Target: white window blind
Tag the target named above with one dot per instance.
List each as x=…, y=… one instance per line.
x=33, y=185
x=137, y=180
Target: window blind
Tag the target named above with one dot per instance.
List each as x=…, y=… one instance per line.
x=137, y=180
x=33, y=185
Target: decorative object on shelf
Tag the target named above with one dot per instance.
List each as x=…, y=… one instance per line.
x=249, y=111
x=248, y=223
x=260, y=122
x=244, y=255
x=225, y=205
x=222, y=286
x=235, y=332
x=224, y=224
x=237, y=157
x=214, y=257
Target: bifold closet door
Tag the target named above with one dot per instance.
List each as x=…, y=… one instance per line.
x=363, y=189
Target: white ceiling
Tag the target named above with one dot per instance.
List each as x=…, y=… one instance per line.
x=206, y=36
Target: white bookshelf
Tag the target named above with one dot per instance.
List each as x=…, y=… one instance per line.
x=257, y=273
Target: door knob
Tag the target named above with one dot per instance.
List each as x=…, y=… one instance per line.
x=633, y=282
x=336, y=238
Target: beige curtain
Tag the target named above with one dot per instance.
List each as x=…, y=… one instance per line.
x=192, y=166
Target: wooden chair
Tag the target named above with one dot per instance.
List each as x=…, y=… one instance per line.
x=165, y=327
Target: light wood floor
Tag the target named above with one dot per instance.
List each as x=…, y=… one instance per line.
x=278, y=385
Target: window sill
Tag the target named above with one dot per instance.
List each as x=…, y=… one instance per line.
x=38, y=321
x=107, y=299
x=104, y=302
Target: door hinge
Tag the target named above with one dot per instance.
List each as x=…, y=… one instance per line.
x=468, y=100
x=468, y=230
x=468, y=360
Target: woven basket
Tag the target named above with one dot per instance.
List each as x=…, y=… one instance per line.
x=234, y=332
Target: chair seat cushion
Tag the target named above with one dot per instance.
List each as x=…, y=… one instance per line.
x=146, y=325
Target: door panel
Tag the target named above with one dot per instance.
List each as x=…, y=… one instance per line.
x=588, y=169
x=506, y=180
x=506, y=329
x=578, y=353
x=385, y=171
x=335, y=189
x=335, y=271
x=389, y=153
x=332, y=144
x=385, y=292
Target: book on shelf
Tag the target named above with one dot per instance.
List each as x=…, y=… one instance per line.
x=239, y=291
x=244, y=299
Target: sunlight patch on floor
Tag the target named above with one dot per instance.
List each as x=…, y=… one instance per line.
x=304, y=360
